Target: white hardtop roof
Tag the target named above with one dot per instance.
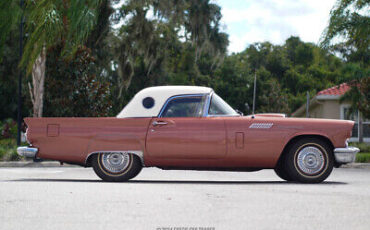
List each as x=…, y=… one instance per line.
x=160, y=94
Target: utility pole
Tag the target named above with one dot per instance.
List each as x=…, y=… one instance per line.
x=19, y=117
x=254, y=92
x=360, y=127
x=307, y=104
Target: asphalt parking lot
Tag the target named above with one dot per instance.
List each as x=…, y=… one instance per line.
x=74, y=198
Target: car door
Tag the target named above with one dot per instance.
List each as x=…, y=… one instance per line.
x=182, y=132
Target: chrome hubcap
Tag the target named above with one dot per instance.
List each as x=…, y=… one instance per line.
x=310, y=160
x=115, y=162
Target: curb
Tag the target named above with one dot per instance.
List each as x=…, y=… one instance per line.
x=31, y=164
x=357, y=165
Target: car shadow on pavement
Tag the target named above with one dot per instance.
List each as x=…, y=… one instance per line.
x=223, y=182
x=54, y=180
x=220, y=182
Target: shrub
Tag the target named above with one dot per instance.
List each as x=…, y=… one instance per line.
x=363, y=158
x=8, y=129
x=364, y=147
x=8, y=150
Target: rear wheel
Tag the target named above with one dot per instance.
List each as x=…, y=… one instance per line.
x=116, y=166
x=309, y=160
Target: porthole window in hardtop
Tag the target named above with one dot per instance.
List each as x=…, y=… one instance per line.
x=191, y=106
x=148, y=102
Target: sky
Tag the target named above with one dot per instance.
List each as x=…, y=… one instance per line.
x=250, y=21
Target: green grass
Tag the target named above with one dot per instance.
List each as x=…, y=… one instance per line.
x=363, y=158
x=8, y=150
x=364, y=155
x=364, y=147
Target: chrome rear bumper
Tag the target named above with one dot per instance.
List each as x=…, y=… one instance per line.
x=345, y=155
x=27, y=151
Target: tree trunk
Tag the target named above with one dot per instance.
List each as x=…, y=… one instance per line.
x=38, y=80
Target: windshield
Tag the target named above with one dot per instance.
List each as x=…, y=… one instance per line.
x=220, y=107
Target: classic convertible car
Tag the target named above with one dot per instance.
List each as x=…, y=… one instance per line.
x=188, y=127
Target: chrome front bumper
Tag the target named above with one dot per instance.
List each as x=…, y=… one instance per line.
x=345, y=155
x=27, y=151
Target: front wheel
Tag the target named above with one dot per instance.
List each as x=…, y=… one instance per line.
x=281, y=171
x=309, y=160
x=116, y=166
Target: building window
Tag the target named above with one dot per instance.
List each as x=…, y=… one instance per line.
x=346, y=114
x=366, y=130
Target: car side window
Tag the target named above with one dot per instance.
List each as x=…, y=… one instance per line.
x=191, y=106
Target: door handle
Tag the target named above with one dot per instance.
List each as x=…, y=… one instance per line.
x=155, y=123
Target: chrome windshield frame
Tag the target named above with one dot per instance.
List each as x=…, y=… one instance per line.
x=207, y=104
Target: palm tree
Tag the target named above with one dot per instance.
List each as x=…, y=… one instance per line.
x=202, y=19
x=349, y=24
x=348, y=30
x=47, y=23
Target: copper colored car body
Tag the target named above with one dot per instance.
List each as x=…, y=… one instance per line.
x=204, y=142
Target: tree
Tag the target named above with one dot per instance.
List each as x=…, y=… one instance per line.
x=48, y=23
x=359, y=94
x=284, y=75
x=349, y=23
x=202, y=22
x=8, y=76
x=348, y=31
x=172, y=41
x=233, y=81
x=273, y=98
x=75, y=90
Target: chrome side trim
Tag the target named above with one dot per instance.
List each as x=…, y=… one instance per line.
x=261, y=125
x=26, y=151
x=345, y=155
x=138, y=153
x=226, y=115
x=177, y=96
